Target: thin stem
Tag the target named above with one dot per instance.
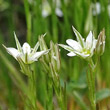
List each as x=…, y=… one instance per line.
x=60, y=97
x=32, y=89
x=49, y=105
x=91, y=84
x=31, y=100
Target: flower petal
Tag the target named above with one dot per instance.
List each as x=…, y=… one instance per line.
x=89, y=40
x=46, y=9
x=31, y=60
x=26, y=48
x=14, y=52
x=68, y=48
x=74, y=44
x=71, y=54
x=82, y=55
x=39, y=54
x=59, y=12
x=94, y=45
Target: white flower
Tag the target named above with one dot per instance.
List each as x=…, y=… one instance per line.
x=59, y=12
x=84, y=49
x=27, y=54
x=46, y=8
x=96, y=8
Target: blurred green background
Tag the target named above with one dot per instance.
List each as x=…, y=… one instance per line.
x=31, y=18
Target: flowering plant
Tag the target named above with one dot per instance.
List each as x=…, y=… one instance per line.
x=27, y=54
x=84, y=49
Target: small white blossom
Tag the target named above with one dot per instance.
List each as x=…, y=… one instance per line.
x=96, y=8
x=46, y=8
x=27, y=54
x=59, y=12
x=84, y=49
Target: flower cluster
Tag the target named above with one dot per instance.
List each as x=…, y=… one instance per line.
x=27, y=54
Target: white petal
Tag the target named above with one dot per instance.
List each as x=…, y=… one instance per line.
x=59, y=12
x=75, y=45
x=98, y=7
x=27, y=60
x=45, y=13
x=89, y=40
x=31, y=60
x=39, y=54
x=71, y=54
x=14, y=52
x=82, y=55
x=94, y=45
x=68, y=48
x=46, y=9
x=26, y=48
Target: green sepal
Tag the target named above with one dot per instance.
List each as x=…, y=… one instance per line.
x=17, y=43
x=78, y=36
x=35, y=48
x=24, y=67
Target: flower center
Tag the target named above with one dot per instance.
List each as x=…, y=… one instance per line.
x=86, y=51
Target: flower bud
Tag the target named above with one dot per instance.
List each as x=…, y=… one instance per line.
x=100, y=46
x=43, y=46
x=55, y=56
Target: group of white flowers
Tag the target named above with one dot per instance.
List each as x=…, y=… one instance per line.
x=46, y=8
x=82, y=48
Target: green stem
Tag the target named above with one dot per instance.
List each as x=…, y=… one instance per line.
x=61, y=101
x=31, y=93
x=49, y=105
x=60, y=97
x=91, y=84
